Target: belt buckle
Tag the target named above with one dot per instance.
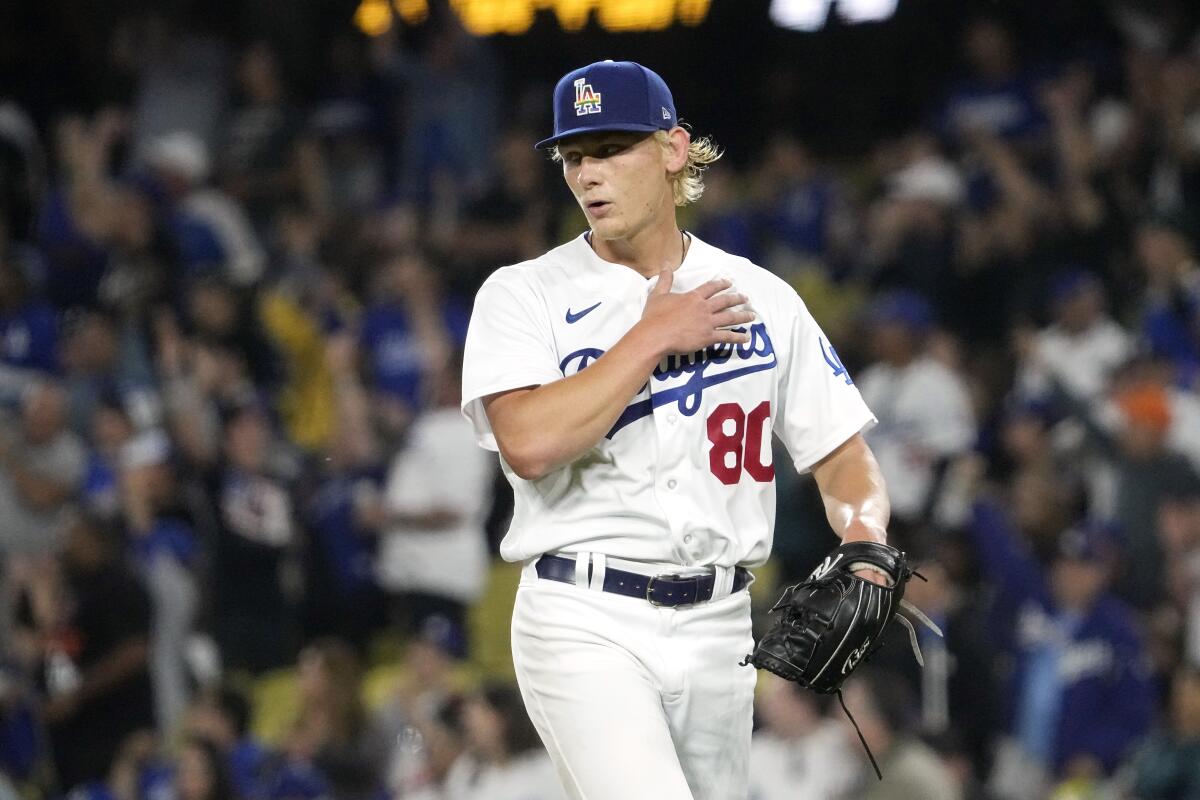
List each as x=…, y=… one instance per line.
x=671, y=577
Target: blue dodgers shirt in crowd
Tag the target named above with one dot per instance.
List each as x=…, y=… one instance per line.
x=348, y=549
x=394, y=350
x=29, y=338
x=800, y=217
x=1008, y=109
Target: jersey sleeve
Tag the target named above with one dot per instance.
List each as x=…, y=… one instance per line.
x=509, y=345
x=819, y=405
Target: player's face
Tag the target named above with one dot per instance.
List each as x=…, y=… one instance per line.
x=620, y=180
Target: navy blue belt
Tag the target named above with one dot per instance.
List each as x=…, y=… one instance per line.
x=660, y=590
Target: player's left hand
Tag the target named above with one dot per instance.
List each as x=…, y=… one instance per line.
x=858, y=531
x=874, y=576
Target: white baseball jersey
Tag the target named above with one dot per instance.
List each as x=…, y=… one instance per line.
x=925, y=415
x=685, y=476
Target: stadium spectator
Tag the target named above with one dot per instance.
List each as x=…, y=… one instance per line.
x=798, y=751
x=162, y=527
x=253, y=576
x=999, y=96
x=1168, y=764
x=723, y=219
x=195, y=381
x=1179, y=535
x=98, y=368
x=911, y=228
x=1026, y=441
x=201, y=773
x=28, y=324
x=957, y=690
x=23, y=757
x=221, y=715
x=924, y=410
x=432, y=556
x=341, y=595
x=1080, y=350
x=138, y=770
x=210, y=231
x=230, y=321
x=1165, y=249
x=88, y=623
x=451, y=111
x=1145, y=473
x=1080, y=693
x=801, y=207
x=1034, y=507
x=264, y=161
x=353, y=123
x=504, y=758
x=333, y=731
x=511, y=221
x=422, y=713
x=408, y=333
x=885, y=711
x=76, y=216
x=298, y=780
x=42, y=465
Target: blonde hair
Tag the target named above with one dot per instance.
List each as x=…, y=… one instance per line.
x=687, y=185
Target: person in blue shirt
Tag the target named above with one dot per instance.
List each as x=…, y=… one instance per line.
x=999, y=96
x=222, y=715
x=1080, y=691
x=1171, y=305
x=409, y=330
x=28, y=326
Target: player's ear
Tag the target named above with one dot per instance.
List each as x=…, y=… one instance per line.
x=676, y=151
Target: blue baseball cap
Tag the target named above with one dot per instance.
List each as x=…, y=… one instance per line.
x=611, y=96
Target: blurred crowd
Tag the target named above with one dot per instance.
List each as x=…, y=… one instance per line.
x=230, y=330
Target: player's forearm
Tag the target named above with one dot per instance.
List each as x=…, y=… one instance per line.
x=854, y=492
x=541, y=429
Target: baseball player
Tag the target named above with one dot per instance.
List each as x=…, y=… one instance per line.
x=631, y=380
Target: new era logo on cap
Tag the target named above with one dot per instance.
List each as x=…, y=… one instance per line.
x=611, y=96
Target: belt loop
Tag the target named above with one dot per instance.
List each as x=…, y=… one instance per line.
x=582, y=564
x=722, y=582
x=599, y=566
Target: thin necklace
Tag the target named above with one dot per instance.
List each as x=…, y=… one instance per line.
x=683, y=243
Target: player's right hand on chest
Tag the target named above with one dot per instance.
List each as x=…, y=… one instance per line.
x=684, y=322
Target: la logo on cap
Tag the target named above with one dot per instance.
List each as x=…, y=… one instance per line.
x=587, y=101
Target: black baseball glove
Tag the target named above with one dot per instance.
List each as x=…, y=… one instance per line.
x=833, y=620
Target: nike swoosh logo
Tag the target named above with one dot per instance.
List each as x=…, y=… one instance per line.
x=573, y=318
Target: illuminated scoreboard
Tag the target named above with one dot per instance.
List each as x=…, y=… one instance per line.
x=486, y=17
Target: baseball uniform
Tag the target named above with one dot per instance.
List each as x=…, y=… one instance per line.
x=634, y=699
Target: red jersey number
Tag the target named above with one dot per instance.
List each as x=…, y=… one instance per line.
x=737, y=442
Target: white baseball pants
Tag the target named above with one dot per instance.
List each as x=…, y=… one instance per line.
x=634, y=701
